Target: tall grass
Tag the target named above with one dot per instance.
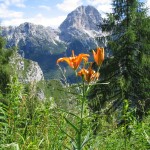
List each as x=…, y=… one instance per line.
x=26, y=123
x=29, y=124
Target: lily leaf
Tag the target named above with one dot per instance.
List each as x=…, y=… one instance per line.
x=72, y=125
x=87, y=138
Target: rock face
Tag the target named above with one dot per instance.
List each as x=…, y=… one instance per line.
x=40, y=95
x=33, y=39
x=28, y=71
x=82, y=18
x=80, y=29
x=34, y=73
x=45, y=45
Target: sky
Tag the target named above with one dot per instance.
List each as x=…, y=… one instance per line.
x=46, y=12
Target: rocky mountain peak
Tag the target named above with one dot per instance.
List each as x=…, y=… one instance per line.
x=30, y=28
x=31, y=37
x=45, y=45
x=83, y=17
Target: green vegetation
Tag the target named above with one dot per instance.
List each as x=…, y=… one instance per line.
x=126, y=70
x=27, y=123
x=4, y=65
x=112, y=114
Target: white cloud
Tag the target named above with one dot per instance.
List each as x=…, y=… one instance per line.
x=148, y=6
x=53, y=22
x=18, y=3
x=11, y=17
x=21, y=5
x=6, y=13
x=99, y=2
x=69, y=5
x=8, y=16
x=103, y=9
x=148, y=2
x=45, y=7
x=38, y=19
x=103, y=6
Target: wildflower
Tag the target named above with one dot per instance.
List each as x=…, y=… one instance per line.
x=88, y=74
x=74, y=61
x=99, y=56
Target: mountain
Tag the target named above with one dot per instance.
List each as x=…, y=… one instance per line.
x=80, y=28
x=33, y=39
x=45, y=45
x=82, y=18
x=27, y=70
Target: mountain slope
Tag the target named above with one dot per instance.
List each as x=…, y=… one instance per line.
x=45, y=45
x=83, y=17
x=79, y=29
x=32, y=38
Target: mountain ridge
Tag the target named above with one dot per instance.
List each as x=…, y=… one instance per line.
x=77, y=18
x=45, y=44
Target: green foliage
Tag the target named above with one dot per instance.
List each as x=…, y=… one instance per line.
x=26, y=123
x=5, y=69
x=125, y=71
x=64, y=120
x=57, y=93
x=2, y=43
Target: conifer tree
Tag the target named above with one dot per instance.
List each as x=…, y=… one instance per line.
x=127, y=69
x=5, y=70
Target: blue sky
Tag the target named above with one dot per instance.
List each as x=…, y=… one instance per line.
x=46, y=12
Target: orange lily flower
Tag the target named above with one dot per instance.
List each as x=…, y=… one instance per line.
x=74, y=61
x=99, y=56
x=88, y=74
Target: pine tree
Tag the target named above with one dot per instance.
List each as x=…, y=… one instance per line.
x=127, y=69
x=5, y=70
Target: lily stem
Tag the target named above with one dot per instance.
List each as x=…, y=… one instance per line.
x=81, y=118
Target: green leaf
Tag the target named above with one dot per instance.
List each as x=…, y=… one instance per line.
x=87, y=138
x=74, y=145
x=67, y=134
x=70, y=113
x=72, y=125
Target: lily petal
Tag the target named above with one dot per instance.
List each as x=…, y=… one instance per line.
x=98, y=56
x=89, y=74
x=74, y=61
